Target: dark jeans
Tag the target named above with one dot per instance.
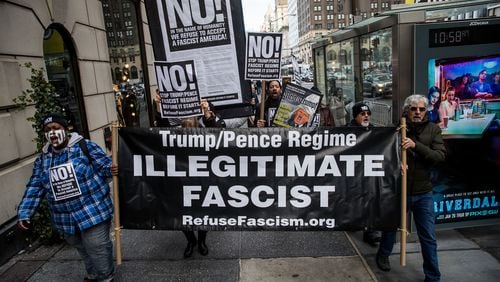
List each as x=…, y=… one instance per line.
x=96, y=249
x=202, y=235
x=422, y=207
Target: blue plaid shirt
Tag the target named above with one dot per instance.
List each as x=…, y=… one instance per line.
x=93, y=206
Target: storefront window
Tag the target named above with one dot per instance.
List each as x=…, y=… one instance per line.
x=60, y=62
x=376, y=65
x=339, y=70
x=319, y=68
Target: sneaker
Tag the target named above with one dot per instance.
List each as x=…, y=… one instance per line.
x=383, y=263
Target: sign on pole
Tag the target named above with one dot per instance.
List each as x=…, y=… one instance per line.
x=263, y=56
x=179, y=91
x=207, y=33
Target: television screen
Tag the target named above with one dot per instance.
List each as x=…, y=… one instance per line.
x=464, y=99
x=464, y=94
x=458, y=69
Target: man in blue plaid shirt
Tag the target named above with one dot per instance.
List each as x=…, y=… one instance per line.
x=74, y=182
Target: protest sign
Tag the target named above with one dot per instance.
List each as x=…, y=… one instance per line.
x=178, y=87
x=263, y=56
x=259, y=179
x=209, y=33
x=297, y=107
x=63, y=182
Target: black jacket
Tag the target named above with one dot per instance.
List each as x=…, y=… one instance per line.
x=429, y=150
x=270, y=103
x=214, y=121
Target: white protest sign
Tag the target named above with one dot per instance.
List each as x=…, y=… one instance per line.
x=63, y=182
x=263, y=56
x=179, y=91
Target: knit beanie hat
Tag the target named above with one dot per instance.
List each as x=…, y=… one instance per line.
x=358, y=108
x=55, y=117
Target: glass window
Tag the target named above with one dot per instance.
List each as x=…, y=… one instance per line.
x=133, y=72
x=319, y=68
x=60, y=62
x=339, y=70
x=375, y=63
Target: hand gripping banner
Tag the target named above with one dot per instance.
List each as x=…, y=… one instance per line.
x=259, y=179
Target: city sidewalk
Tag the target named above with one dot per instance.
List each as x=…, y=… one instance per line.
x=471, y=254
x=467, y=254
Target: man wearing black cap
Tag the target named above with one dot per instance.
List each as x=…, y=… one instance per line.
x=361, y=117
x=71, y=174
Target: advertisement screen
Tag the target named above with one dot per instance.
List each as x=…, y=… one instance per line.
x=462, y=85
x=465, y=188
x=464, y=94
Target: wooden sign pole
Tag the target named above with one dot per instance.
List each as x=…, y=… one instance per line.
x=403, y=224
x=116, y=203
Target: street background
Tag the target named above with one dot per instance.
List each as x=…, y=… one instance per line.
x=469, y=254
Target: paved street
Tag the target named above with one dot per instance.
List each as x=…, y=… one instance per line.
x=471, y=254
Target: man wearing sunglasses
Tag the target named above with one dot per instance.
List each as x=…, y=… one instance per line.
x=425, y=148
x=361, y=117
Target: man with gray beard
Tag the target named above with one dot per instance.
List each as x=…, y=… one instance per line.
x=361, y=117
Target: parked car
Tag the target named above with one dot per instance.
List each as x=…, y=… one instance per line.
x=377, y=85
x=340, y=75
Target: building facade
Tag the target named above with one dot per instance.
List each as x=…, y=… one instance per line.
x=316, y=18
x=67, y=39
x=123, y=41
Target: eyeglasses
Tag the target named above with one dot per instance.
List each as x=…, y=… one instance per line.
x=414, y=109
x=365, y=114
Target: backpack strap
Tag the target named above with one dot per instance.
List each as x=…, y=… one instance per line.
x=85, y=149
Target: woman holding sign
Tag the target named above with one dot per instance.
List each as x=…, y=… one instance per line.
x=71, y=173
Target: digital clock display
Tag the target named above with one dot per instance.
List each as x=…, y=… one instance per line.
x=464, y=35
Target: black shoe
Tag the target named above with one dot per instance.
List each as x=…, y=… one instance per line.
x=203, y=249
x=371, y=238
x=188, y=252
x=383, y=263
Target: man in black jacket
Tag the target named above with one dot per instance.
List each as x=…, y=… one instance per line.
x=361, y=117
x=271, y=104
x=425, y=148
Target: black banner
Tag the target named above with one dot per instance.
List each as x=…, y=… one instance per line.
x=259, y=179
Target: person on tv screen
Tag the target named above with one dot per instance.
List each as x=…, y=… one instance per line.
x=449, y=104
x=463, y=89
x=434, y=103
x=495, y=87
x=480, y=87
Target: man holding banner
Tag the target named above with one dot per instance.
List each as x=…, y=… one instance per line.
x=71, y=173
x=425, y=147
x=361, y=117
